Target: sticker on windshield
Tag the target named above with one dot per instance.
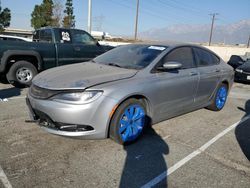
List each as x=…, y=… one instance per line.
x=157, y=48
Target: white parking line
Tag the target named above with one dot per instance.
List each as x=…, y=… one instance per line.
x=11, y=98
x=182, y=162
x=4, y=179
x=21, y=97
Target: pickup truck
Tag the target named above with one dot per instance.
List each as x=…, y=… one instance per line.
x=51, y=47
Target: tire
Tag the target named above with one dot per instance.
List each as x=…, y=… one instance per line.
x=219, y=99
x=125, y=129
x=21, y=74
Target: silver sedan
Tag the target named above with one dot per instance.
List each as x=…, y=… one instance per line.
x=119, y=93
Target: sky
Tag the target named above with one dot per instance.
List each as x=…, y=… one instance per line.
x=117, y=17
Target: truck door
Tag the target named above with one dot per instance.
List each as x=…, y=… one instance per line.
x=65, y=49
x=46, y=47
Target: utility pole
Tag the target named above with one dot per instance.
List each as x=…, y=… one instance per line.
x=136, y=19
x=90, y=16
x=248, y=43
x=212, y=27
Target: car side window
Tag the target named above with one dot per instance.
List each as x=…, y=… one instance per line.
x=45, y=35
x=181, y=55
x=81, y=37
x=205, y=58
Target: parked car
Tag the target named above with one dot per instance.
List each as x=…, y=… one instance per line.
x=237, y=60
x=120, y=92
x=52, y=47
x=242, y=72
x=14, y=38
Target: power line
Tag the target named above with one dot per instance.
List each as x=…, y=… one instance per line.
x=143, y=10
x=212, y=27
x=177, y=17
x=184, y=8
x=189, y=8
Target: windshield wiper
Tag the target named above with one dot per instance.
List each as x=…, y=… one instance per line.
x=114, y=64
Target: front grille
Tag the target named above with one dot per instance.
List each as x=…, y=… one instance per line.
x=42, y=93
x=46, y=121
x=248, y=73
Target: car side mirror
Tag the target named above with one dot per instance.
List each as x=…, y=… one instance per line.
x=171, y=65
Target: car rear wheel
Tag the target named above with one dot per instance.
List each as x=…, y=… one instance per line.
x=128, y=121
x=219, y=99
x=21, y=74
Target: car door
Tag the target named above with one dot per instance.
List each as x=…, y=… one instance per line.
x=85, y=47
x=209, y=70
x=175, y=89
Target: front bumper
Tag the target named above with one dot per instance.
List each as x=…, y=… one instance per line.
x=90, y=121
x=244, y=77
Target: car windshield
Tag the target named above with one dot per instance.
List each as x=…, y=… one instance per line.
x=135, y=56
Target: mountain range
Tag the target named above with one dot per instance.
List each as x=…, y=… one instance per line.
x=235, y=33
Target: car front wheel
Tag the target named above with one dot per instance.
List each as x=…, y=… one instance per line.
x=128, y=121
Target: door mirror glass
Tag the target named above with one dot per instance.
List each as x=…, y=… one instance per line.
x=171, y=65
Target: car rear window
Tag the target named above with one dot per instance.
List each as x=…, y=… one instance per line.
x=46, y=35
x=205, y=58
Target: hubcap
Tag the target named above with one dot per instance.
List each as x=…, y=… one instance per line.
x=132, y=122
x=24, y=75
x=221, y=97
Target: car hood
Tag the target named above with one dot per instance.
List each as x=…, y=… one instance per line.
x=80, y=76
x=245, y=67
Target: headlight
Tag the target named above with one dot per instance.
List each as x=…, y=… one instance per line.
x=239, y=70
x=77, y=97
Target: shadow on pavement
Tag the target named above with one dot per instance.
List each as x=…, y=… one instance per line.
x=145, y=160
x=242, y=132
x=242, y=82
x=9, y=92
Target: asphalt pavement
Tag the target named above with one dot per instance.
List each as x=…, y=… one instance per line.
x=199, y=149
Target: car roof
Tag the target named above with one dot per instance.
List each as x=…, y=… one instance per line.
x=168, y=43
x=173, y=44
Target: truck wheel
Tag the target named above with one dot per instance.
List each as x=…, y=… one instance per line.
x=21, y=74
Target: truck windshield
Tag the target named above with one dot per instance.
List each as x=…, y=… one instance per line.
x=136, y=56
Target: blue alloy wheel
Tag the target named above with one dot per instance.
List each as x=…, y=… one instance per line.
x=221, y=97
x=131, y=122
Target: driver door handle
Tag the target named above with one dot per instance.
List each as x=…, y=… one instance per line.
x=193, y=73
x=77, y=49
x=217, y=70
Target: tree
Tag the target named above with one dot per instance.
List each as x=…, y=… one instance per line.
x=42, y=15
x=57, y=13
x=69, y=18
x=5, y=17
